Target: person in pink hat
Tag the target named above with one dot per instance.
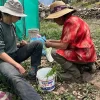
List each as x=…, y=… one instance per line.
x=75, y=50
x=11, y=56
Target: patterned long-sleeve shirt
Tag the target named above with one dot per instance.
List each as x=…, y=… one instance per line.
x=80, y=48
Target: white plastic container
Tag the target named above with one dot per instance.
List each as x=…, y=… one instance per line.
x=33, y=32
x=46, y=84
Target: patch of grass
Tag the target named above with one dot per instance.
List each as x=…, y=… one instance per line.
x=50, y=29
x=96, y=38
x=94, y=25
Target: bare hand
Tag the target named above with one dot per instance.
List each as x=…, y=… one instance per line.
x=23, y=42
x=20, y=68
x=48, y=44
x=50, y=40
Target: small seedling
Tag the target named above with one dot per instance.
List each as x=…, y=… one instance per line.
x=53, y=71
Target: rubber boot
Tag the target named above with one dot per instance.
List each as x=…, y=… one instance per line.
x=72, y=72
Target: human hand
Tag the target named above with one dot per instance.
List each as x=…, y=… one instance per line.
x=18, y=45
x=20, y=68
x=49, y=40
x=23, y=42
x=48, y=44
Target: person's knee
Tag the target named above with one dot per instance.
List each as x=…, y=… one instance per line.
x=37, y=44
x=14, y=77
x=9, y=71
x=66, y=65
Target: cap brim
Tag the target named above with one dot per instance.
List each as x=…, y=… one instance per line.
x=59, y=13
x=8, y=11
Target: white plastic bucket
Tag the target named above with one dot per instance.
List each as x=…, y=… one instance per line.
x=46, y=83
x=33, y=32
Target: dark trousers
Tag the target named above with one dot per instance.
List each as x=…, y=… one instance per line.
x=70, y=68
x=33, y=50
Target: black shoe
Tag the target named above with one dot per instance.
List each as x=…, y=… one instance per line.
x=90, y=67
x=31, y=77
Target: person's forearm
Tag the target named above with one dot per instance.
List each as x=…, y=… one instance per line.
x=56, y=41
x=56, y=45
x=5, y=57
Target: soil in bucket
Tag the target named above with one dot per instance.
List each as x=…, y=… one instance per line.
x=46, y=83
